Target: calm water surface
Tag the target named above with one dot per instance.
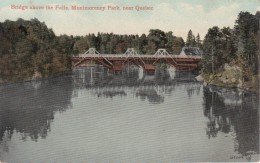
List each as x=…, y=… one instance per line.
x=93, y=116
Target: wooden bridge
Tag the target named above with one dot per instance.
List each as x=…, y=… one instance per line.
x=117, y=62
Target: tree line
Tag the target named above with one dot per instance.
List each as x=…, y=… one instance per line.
x=109, y=43
x=238, y=45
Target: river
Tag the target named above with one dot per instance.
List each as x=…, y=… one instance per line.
x=95, y=116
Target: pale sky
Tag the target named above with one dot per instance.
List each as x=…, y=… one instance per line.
x=168, y=15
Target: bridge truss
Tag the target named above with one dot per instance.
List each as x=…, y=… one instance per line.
x=116, y=62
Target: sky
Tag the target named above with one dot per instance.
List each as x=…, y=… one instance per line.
x=178, y=16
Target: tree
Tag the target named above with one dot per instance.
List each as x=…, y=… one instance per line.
x=198, y=41
x=81, y=45
x=65, y=44
x=178, y=44
x=30, y=46
x=170, y=41
x=238, y=45
x=246, y=28
x=156, y=39
x=190, y=41
x=212, y=49
x=112, y=43
x=121, y=47
x=142, y=43
x=228, y=45
x=91, y=40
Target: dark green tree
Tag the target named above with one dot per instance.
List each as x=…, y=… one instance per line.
x=198, y=41
x=170, y=40
x=30, y=47
x=212, y=49
x=178, y=44
x=246, y=28
x=190, y=41
x=81, y=45
x=156, y=39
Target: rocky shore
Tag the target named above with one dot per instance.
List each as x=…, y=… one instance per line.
x=231, y=77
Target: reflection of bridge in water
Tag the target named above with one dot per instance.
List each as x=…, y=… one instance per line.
x=130, y=82
x=124, y=90
x=117, y=62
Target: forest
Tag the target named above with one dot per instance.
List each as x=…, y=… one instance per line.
x=29, y=49
x=238, y=46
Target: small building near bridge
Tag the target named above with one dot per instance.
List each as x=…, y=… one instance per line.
x=191, y=51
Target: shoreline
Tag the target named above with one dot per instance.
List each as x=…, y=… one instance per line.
x=215, y=83
x=203, y=78
x=35, y=80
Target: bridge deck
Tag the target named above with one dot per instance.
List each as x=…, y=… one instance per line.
x=136, y=56
x=116, y=62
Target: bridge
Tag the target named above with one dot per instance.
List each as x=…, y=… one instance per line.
x=117, y=62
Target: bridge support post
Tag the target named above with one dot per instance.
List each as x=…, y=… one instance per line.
x=91, y=76
x=149, y=68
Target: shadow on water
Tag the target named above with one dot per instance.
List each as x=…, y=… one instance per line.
x=29, y=108
x=233, y=111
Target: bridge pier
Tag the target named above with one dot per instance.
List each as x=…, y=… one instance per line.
x=149, y=72
x=149, y=69
x=117, y=66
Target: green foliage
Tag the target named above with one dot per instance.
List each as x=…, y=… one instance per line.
x=198, y=41
x=109, y=43
x=29, y=47
x=178, y=44
x=81, y=45
x=218, y=48
x=237, y=45
x=193, y=41
x=246, y=28
x=156, y=39
x=190, y=39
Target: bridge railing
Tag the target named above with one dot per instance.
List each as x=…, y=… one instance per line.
x=161, y=53
x=142, y=56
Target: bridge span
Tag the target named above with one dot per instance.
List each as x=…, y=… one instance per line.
x=117, y=62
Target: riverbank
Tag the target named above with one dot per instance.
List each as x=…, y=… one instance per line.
x=231, y=77
x=5, y=82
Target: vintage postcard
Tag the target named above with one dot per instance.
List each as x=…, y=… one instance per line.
x=129, y=81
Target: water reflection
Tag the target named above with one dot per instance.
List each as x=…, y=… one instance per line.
x=151, y=94
x=28, y=108
x=235, y=112
x=229, y=111
x=145, y=86
x=168, y=112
